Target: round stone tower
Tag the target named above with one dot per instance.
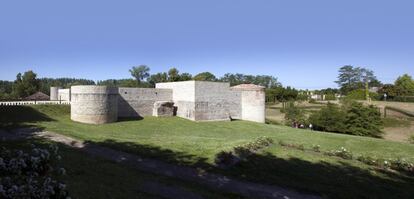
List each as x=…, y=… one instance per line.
x=94, y=104
x=54, y=93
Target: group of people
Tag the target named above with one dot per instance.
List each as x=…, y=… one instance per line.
x=301, y=125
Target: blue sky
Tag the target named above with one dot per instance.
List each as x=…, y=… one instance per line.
x=303, y=43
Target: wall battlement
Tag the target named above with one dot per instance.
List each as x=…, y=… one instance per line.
x=193, y=100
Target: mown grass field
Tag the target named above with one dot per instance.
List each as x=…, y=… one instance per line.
x=90, y=178
x=196, y=144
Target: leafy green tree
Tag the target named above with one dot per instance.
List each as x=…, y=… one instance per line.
x=294, y=114
x=351, y=118
x=140, y=72
x=25, y=84
x=173, y=75
x=351, y=78
x=330, y=118
x=46, y=83
x=205, y=76
x=157, y=78
x=186, y=77
x=281, y=94
x=405, y=85
x=363, y=120
x=262, y=80
x=388, y=89
x=123, y=83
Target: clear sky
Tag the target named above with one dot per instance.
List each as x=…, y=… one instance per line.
x=302, y=42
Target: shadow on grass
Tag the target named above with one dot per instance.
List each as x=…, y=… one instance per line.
x=18, y=117
x=126, y=119
x=340, y=180
x=149, y=151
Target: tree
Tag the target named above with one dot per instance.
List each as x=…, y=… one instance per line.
x=205, y=76
x=262, y=80
x=294, y=114
x=25, y=84
x=362, y=120
x=352, y=78
x=351, y=118
x=405, y=85
x=173, y=75
x=186, y=77
x=330, y=118
x=157, y=78
x=140, y=72
x=388, y=89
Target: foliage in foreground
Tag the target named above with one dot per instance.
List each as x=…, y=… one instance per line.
x=352, y=118
x=398, y=164
x=31, y=174
x=240, y=152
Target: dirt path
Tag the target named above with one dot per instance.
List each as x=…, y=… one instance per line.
x=212, y=181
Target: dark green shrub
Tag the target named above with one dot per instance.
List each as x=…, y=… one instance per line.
x=352, y=118
x=362, y=120
x=330, y=118
x=294, y=114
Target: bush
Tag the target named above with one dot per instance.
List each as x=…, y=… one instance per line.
x=342, y=152
x=316, y=148
x=330, y=118
x=360, y=94
x=330, y=97
x=230, y=158
x=362, y=120
x=30, y=174
x=294, y=114
x=352, y=118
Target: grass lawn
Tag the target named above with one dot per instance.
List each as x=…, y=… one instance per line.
x=89, y=177
x=196, y=144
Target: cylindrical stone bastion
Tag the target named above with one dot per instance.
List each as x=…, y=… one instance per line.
x=94, y=104
x=54, y=93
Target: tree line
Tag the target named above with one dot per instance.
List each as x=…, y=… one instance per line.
x=358, y=82
x=27, y=83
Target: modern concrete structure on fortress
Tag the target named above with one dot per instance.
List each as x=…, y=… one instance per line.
x=193, y=100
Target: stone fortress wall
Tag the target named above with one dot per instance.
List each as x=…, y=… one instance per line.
x=193, y=100
x=139, y=102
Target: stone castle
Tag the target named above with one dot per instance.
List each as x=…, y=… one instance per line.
x=193, y=100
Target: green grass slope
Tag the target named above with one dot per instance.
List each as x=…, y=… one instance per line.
x=196, y=144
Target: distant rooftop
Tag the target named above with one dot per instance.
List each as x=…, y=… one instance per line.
x=38, y=96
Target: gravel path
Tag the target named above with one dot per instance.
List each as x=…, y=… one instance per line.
x=212, y=181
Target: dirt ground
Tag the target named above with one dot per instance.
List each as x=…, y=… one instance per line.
x=400, y=134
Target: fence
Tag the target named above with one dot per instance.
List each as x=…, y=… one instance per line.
x=22, y=103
